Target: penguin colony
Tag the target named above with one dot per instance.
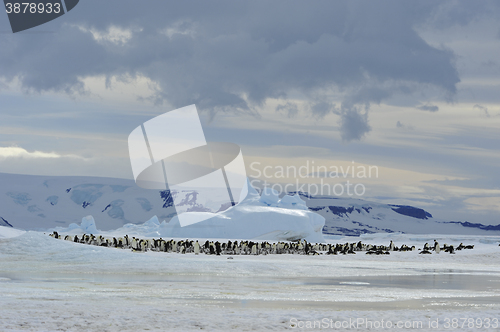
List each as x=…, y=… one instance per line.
x=446, y=248
x=248, y=247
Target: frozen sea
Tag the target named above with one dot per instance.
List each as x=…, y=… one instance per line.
x=55, y=285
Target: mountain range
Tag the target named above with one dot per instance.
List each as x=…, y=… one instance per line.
x=42, y=202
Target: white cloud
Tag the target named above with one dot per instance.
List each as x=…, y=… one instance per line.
x=114, y=34
x=483, y=203
x=18, y=160
x=182, y=27
x=15, y=152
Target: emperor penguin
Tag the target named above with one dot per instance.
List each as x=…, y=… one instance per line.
x=300, y=246
x=217, y=248
x=254, y=249
x=437, y=249
x=143, y=245
x=391, y=246
x=196, y=248
x=134, y=244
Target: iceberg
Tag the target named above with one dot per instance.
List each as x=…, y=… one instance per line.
x=256, y=217
x=87, y=227
x=260, y=217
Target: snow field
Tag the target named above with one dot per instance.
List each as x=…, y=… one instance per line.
x=50, y=285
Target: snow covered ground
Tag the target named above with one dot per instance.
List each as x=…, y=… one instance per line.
x=48, y=285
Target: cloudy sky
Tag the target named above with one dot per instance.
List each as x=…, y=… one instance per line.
x=411, y=87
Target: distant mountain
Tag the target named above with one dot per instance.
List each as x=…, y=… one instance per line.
x=41, y=202
x=5, y=223
x=349, y=216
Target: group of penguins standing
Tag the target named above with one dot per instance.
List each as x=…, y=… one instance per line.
x=246, y=247
x=446, y=248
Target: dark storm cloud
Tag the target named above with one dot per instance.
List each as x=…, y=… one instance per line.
x=428, y=108
x=231, y=55
x=462, y=12
x=291, y=109
x=321, y=109
x=353, y=123
x=482, y=109
x=401, y=125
